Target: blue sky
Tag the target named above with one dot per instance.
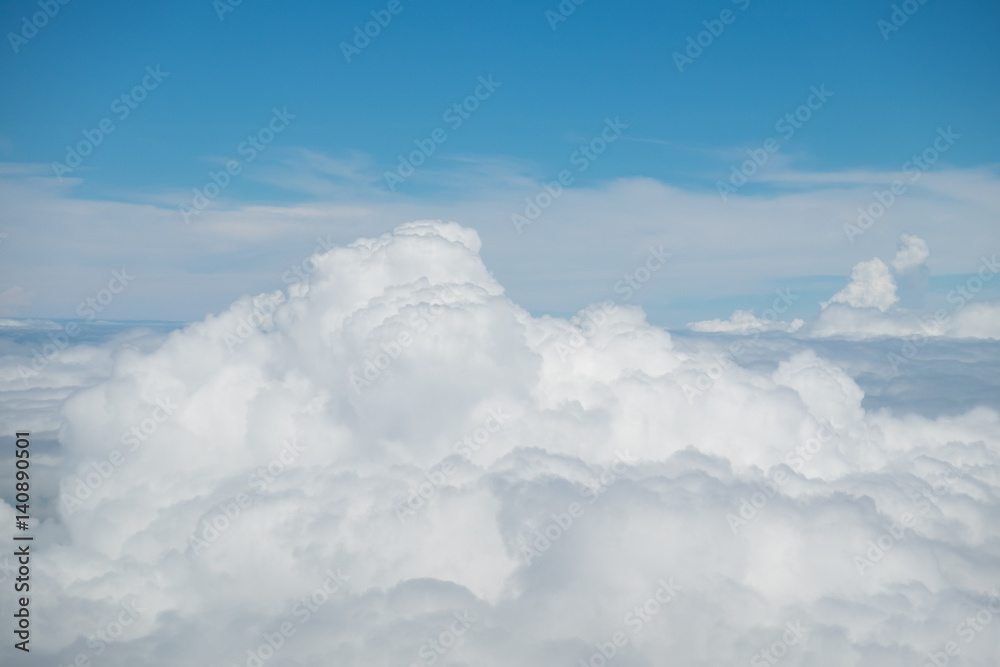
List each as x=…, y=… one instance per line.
x=686, y=129
x=606, y=58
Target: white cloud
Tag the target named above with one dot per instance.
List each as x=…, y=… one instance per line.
x=720, y=249
x=871, y=286
x=913, y=252
x=848, y=313
x=975, y=320
x=744, y=321
x=759, y=495
x=866, y=308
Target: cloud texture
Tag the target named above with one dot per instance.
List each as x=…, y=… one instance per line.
x=394, y=464
x=868, y=307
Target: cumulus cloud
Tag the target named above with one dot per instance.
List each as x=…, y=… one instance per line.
x=199, y=266
x=744, y=321
x=849, y=313
x=871, y=286
x=912, y=252
x=974, y=320
x=397, y=464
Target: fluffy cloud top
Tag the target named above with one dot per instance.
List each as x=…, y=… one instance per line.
x=396, y=464
x=868, y=306
x=871, y=286
x=913, y=252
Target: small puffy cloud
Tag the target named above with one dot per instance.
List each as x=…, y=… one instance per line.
x=871, y=286
x=912, y=252
x=744, y=321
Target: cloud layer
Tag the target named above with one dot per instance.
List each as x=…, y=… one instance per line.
x=393, y=463
x=788, y=231
x=869, y=307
